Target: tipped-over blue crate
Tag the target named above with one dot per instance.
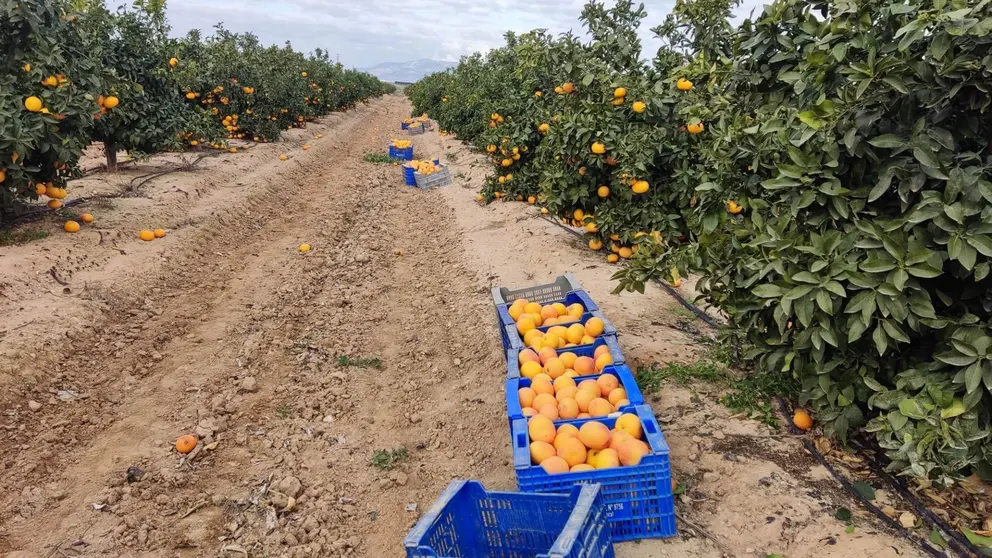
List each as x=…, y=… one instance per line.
x=639, y=501
x=466, y=521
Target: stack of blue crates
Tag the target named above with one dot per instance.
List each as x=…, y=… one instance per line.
x=566, y=515
x=639, y=498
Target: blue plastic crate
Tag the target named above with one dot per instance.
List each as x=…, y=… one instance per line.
x=409, y=175
x=404, y=125
x=513, y=340
x=513, y=355
x=466, y=521
x=623, y=374
x=639, y=499
x=404, y=154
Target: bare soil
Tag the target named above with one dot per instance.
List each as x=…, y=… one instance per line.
x=294, y=369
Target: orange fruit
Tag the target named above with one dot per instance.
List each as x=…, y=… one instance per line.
x=568, y=408
x=575, y=333
x=595, y=435
x=639, y=107
x=547, y=354
x=625, y=253
x=608, y=458
x=530, y=369
x=607, y=383
x=618, y=437
x=540, y=451
x=581, y=467
x=541, y=399
x=630, y=424
x=554, y=368
x=86, y=218
x=528, y=355
x=528, y=411
x=619, y=92
x=583, y=398
x=586, y=340
x=568, y=430
x=111, y=102
x=567, y=392
x=516, y=309
x=616, y=396
x=54, y=204
x=630, y=452
x=585, y=365
x=603, y=361
x=591, y=386
x=600, y=407
x=548, y=312
x=595, y=327
x=802, y=420
x=600, y=351
x=186, y=443
x=159, y=233
x=525, y=324
x=549, y=410
x=683, y=84
x=555, y=465
x=146, y=235
x=563, y=382
x=71, y=226
x=526, y=396
x=561, y=332
x=550, y=340
x=568, y=359
x=531, y=336
x=541, y=429
x=283, y=157
x=540, y=385
x=576, y=310
x=532, y=308
x=572, y=451
x=591, y=456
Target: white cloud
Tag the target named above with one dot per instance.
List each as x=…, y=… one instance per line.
x=374, y=31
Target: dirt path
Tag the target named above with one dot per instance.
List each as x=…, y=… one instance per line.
x=294, y=369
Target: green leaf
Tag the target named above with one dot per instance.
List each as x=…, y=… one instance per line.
x=779, y=183
x=767, y=290
x=864, y=490
x=926, y=156
x=810, y=119
x=877, y=265
x=588, y=79
x=937, y=539
x=897, y=420
x=849, y=529
x=798, y=292
x=957, y=408
x=973, y=377
x=825, y=303
x=887, y=141
x=843, y=514
x=911, y=408
x=881, y=341
x=976, y=539
x=955, y=359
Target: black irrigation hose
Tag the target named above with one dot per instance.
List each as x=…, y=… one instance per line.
x=958, y=542
x=668, y=288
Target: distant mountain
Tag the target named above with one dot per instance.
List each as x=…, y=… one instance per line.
x=408, y=71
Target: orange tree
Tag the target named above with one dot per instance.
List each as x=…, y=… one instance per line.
x=141, y=109
x=47, y=81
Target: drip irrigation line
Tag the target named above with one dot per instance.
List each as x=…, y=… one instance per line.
x=957, y=540
x=668, y=288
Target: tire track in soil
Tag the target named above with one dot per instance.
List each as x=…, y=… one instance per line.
x=238, y=338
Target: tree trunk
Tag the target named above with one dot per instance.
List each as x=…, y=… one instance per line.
x=111, y=150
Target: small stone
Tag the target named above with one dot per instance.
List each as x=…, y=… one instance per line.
x=693, y=457
x=415, y=418
x=458, y=362
x=162, y=500
x=697, y=439
x=34, y=405
x=399, y=478
x=217, y=499
x=711, y=476
x=249, y=384
x=328, y=419
x=290, y=486
x=719, y=435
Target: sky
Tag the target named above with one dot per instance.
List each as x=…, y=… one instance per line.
x=365, y=33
